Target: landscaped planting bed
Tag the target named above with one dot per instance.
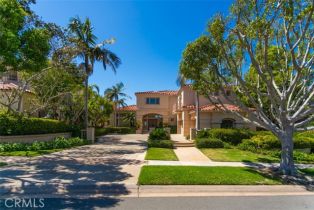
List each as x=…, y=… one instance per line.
x=39, y=148
x=262, y=146
x=160, y=147
x=199, y=175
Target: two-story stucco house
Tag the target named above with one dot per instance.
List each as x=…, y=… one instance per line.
x=155, y=108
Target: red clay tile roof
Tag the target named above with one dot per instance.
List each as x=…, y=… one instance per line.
x=161, y=92
x=212, y=107
x=130, y=108
x=189, y=107
x=10, y=86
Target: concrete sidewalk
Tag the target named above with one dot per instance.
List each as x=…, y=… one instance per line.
x=190, y=154
x=211, y=163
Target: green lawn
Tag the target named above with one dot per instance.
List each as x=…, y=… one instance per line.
x=236, y=155
x=160, y=154
x=308, y=171
x=198, y=175
x=29, y=153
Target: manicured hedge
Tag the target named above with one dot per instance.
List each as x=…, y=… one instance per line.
x=112, y=130
x=231, y=136
x=12, y=125
x=268, y=141
x=306, y=136
x=209, y=143
x=159, y=134
x=58, y=143
x=160, y=143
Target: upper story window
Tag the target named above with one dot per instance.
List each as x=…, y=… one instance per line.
x=152, y=100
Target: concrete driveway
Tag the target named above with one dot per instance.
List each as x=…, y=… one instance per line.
x=111, y=166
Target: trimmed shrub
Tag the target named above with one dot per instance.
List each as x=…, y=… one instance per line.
x=204, y=133
x=159, y=134
x=248, y=145
x=302, y=157
x=112, y=130
x=58, y=143
x=269, y=141
x=306, y=136
x=260, y=142
x=231, y=136
x=302, y=143
x=12, y=125
x=160, y=143
x=209, y=143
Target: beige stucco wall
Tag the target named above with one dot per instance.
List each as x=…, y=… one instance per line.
x=214, y=119
x=32, y=138
x=187, y=96
x=164, y=108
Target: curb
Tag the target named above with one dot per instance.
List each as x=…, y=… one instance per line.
x=222, y=190
x=122, y=190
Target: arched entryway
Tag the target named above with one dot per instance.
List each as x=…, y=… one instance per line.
x=227, y=123
x=151, y=121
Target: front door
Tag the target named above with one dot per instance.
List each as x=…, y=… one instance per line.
x=152, y=123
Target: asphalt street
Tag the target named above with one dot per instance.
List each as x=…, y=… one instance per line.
x=180, y=203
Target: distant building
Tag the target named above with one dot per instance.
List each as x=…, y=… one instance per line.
x=9, y=84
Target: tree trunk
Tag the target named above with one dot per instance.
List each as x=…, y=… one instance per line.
x=287, y=166
x=86, y=104
x=197, y=112
x=115, y=116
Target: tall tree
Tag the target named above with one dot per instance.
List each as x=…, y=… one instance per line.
x=117, y=96
x=84, y=46
x=194, y=60
x=24, y=39
x=243, y=41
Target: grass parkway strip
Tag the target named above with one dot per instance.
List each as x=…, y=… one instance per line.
x=200, y=175
x=160, y=154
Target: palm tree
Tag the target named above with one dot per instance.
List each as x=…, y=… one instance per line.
x=117, y=96
x=83, y=46
x=130, y=118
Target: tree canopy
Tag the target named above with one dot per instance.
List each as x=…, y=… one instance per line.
x=264, y=51
x=24, y=39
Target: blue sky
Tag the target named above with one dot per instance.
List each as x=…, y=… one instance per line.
x=150, y=35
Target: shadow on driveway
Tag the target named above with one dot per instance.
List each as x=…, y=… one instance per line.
x=101, y=168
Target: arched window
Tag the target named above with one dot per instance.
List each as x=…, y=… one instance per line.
x=227, y=123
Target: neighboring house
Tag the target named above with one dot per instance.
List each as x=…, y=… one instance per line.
x=177, y=108
x=9, y=94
